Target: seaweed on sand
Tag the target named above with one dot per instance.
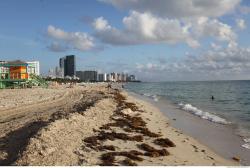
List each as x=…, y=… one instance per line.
x=129, y=124
x=164, y=142
x=93, y=140
x=106, y=147
x=152, y=152
x=120, y=99
x=128, y=162
x=132, y=106
x=109, y=158
x=113, y=135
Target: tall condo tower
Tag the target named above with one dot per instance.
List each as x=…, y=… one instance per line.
x=68, y=65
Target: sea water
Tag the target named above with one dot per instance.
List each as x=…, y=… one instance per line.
x=230, y=106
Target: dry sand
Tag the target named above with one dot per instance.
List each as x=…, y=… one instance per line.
x=75, y=129
x=11, y=98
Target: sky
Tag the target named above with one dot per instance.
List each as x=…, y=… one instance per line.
x=157, y=40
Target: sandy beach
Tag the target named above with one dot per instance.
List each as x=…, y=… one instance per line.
x=92, y=125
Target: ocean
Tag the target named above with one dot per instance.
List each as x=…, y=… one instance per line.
x=230, y=106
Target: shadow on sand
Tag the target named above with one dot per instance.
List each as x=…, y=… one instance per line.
x=14, y=143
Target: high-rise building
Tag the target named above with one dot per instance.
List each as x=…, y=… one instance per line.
x=116, y=77
x=113, y=77
x=33, y=67
x=124, y=77
x=68, y=65
x=109, y=78
x=59, y=72
x=52, y=73
x=61, y=64
x=101, y=77
x=119, y=77
x=87, y=76
x=80, y=75
x=105, y=77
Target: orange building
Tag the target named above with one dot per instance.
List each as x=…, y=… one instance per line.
x=18, y=72
x=13, y=73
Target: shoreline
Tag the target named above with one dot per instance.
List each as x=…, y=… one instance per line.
x=218, y=137
x=99, y=126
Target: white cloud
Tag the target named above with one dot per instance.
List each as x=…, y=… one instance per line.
x=225, y=63
x=215, y=46
x=76, y=40
x=143, y=28
x=178, y=8
x=204, y=27
x=57, y=47
x=241, y=23
x=101, y=24
x=169, y=21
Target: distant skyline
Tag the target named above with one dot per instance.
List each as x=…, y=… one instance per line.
x=163, y=40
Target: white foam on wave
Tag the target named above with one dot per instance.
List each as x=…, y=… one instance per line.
x=247, y=146
x=154, y=97
x=203, y=114
x=247, y=140
x=147, y=94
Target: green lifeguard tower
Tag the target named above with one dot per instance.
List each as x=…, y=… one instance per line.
x=13, y=73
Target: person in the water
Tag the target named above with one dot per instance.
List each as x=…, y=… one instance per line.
x=212, y=97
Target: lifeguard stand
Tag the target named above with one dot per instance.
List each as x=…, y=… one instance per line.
x=13, y=73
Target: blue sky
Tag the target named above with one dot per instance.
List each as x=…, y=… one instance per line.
x=168, y=40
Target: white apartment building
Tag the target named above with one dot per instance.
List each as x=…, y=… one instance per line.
x=33, y=67
x=105, y=77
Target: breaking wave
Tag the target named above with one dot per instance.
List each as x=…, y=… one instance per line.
x=203, y=114
x=247, y=144
x=154, y=97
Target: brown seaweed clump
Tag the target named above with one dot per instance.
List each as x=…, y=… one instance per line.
x=128, y=162
x=113, y=135
x=108, y=159
x=105, y=127
x=106, y=147
x=130, y=124
x=152, y=152
x=147, y=132
x=132, y=106
x=136, y=121
x=120, y=99
x=93, y=140
x=164, y=142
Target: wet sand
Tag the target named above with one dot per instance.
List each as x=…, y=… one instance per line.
x=220, y=138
